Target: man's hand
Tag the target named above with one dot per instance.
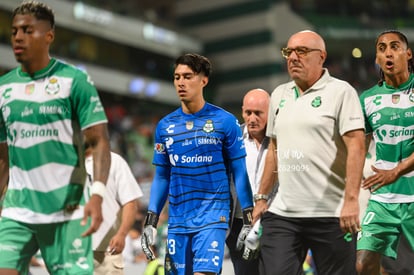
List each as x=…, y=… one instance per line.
x=349, y=217
x=149, y=235
x=259, y=209
x=92, y=209
x=380, y=178
x=247, y=226
x=116, y=245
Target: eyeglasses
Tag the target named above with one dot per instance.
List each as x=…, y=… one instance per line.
x=300, y=51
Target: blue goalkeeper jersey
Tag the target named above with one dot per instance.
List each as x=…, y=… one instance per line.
x=197, y=148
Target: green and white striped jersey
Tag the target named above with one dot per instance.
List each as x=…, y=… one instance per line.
x=41, y=120
x=389, y=116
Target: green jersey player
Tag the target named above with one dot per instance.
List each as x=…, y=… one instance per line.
x=389, y=117
x=46, y=107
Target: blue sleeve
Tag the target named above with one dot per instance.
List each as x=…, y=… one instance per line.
x=234, y=145
x=159, y=189
x=241, y=181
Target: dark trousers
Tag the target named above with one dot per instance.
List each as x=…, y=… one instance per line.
x=241, y=266
x=285, y=242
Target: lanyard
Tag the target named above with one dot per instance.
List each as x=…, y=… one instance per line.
x=263, y=146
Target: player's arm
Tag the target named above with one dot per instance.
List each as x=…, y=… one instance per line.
x=368, y=139
x=117, y=243
x=385, y=177
x=158, y=197
x=4, y=170
x=241, y=182
x=355, y=145
x=244, y=194
x=159, y=189
x=98, y=139
x=267, y=182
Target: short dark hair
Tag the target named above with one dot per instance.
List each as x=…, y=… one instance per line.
x=39, y=10
x=197, y=63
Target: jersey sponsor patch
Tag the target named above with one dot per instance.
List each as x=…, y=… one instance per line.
x=159, y=148
x=29, y=89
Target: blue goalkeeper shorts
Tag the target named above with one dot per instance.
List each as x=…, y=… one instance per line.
x=201, y=251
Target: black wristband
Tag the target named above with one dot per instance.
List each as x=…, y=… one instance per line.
x=151, y=219
x=248, y=215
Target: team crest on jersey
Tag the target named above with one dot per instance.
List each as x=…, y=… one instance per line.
x=189, y=125
x=316, y=102
x=29, y=89
x=208, y=127
x=53, y=86
x=395, y=98
x=411, y=96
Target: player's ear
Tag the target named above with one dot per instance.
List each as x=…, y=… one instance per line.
x=409, y=54
x=204, y=80
x=50, y=36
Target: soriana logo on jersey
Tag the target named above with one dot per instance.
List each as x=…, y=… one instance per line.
x=198, y=159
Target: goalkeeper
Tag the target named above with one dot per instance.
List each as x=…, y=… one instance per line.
x=196, y=149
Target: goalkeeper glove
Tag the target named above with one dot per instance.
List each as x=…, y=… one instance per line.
x=149, y=234
x=247, y=226
x=252, y=242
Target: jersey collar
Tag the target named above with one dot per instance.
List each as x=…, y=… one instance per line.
x=320, y=84
x=39, y=74
x=403, y=86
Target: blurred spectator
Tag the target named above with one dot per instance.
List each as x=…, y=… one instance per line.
x=118, y=207
x=132, y=252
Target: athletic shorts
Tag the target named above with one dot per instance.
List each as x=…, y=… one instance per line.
x=201, y=251
x=63, y=249
x=382, y=225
